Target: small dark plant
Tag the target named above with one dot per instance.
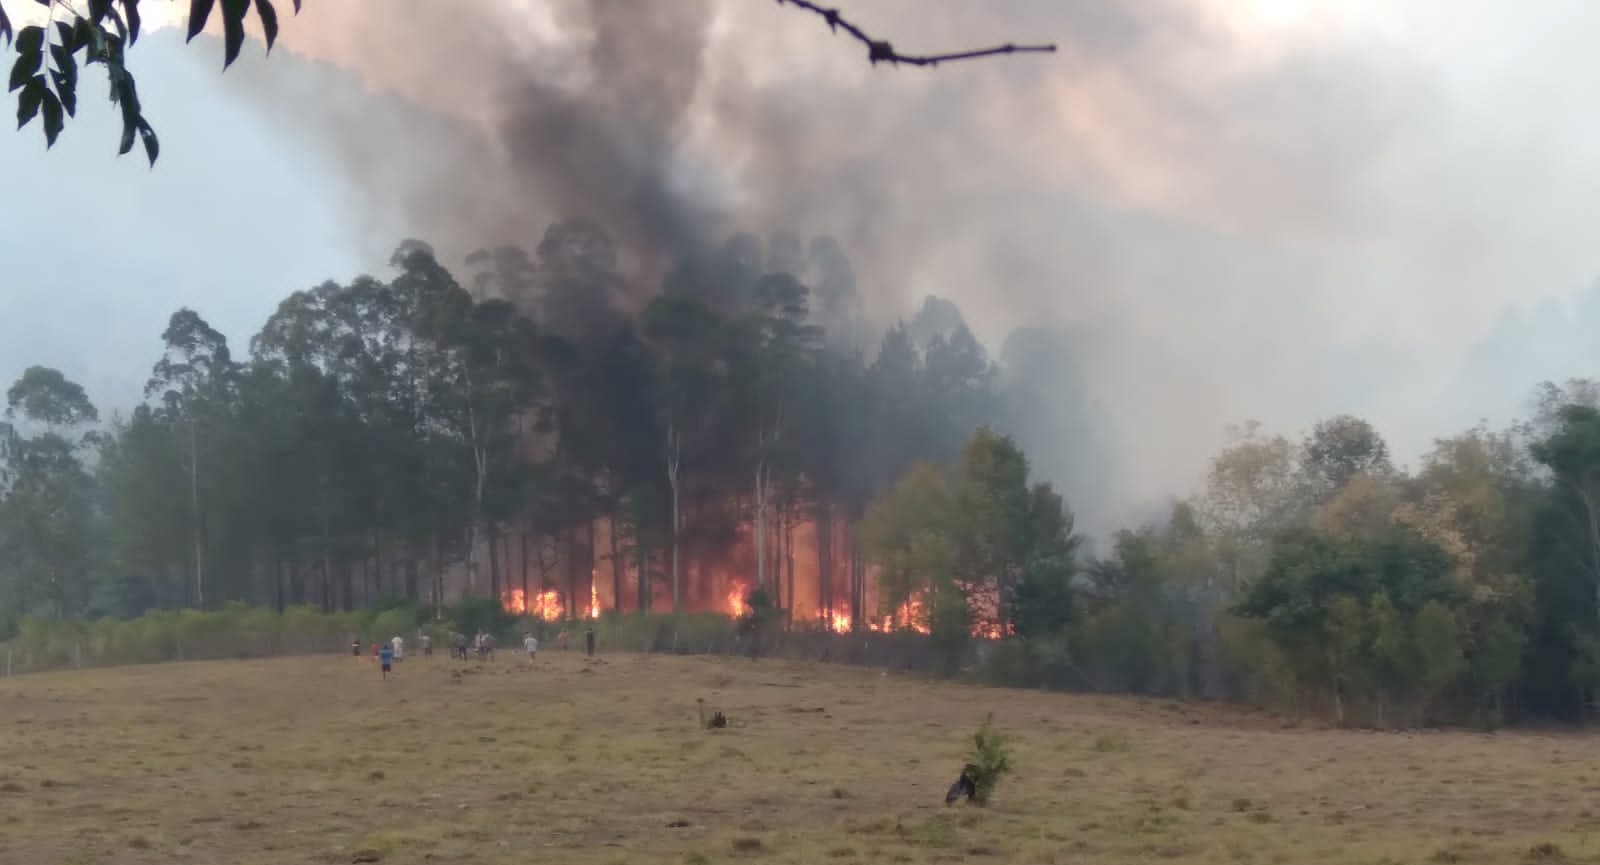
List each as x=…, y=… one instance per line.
x=716, y=721
x=988, y=761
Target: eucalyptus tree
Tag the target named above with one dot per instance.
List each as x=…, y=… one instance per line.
x=193, y=383
x=683, y=335
x=47, y=512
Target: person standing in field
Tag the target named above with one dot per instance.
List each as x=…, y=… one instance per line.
x=399, y=648
x=588, y=640
x=531, y=644
x=355, y=648
x=460, y=645
x=427, y=645
x=386, y=657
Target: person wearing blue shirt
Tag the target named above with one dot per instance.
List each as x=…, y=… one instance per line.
x=386, y=657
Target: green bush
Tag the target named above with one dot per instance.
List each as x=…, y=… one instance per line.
x=988, y=761
x=388, y=624
x=235, y=631
x=950, y=628
x=472, y=615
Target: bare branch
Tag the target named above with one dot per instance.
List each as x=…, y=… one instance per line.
x=879, y=50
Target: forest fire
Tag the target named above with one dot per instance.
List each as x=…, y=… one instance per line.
x=738, y=600
x=545, y=605
x=803, y=592
x=908, y=617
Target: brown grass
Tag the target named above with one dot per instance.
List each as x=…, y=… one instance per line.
x=604, y=761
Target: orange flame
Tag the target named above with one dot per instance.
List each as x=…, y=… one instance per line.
x=837, y=622
x=907, y=617
x=594, y=601
x=738, y=600
x=545, y=605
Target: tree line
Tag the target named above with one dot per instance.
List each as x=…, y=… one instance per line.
x=1314, y=574
x=545, y=424
x=540, y=423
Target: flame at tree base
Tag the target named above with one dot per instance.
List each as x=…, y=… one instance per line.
x=546, y=606
x=738, y=602
x=909, y=616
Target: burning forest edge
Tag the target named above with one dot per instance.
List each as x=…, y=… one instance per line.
x=564, y=445
x=547, y=606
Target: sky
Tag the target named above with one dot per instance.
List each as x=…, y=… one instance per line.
x=1242, y=209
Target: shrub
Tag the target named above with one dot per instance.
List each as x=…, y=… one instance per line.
x=472, y=615
x=402, y=622
x=988, y=761
x=950, y=626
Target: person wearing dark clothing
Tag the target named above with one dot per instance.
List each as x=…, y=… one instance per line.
x=964, y=785
x=386, y=657
x=588, y=640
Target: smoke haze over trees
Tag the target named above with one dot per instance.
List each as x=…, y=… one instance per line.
x=412, y=440
x=1170, y=189
x=1194, y=214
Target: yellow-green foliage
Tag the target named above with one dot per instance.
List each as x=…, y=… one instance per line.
x=235, y=631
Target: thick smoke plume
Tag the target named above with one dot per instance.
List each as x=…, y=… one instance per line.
x=1234, y=215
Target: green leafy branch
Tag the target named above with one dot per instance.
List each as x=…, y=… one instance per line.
x=45, y=74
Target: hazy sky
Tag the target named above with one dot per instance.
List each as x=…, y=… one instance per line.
x=1276, y=209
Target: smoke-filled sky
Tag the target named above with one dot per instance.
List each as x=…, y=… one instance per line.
x=1269, y=209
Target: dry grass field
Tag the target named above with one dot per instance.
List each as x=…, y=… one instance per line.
x=574, y=761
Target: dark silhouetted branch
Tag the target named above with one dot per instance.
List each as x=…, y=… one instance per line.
x=879, y=50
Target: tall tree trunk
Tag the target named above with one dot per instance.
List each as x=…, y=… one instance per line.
x=761, y=524
x=858, y=595
x=616, y=561
x=505, y=558
x=642, y=566
x=775, y=554
x=411, y=572
x=380, y=564
x=1592, y=511
x=480, y=473
x=774, y=572
x=788, y=557
x=524, y=561
x=675, y=452
x=493, y=536
x=588, y=597
x=824, y=525
x=572, y=572
x=326, y=527
x=194, y=505
x=436, y=579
